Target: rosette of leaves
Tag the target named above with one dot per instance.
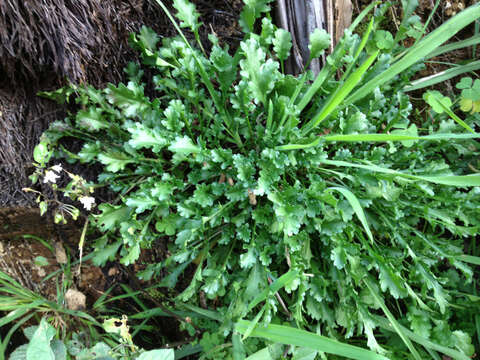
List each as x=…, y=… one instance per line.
x=325, y=195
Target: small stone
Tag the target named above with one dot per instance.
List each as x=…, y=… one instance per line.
x=75, y=300
x=113, y=271
x=60, y=253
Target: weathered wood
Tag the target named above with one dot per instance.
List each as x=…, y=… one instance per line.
x=301, y=18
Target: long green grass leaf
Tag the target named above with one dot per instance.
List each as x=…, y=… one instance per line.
x=474, y=40
x=357, y=207
x=392, y=320
x=296, y=337
x=453, y=180
x=397, y=137
x=273, y=288
x=419, y=51
x=442, y=76
x=376, y=138
x=454, y=354
x=338, y=96
x=323, y=75
x=475, y=260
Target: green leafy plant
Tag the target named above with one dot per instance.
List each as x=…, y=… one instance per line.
x=316, y=201
x=44, y=345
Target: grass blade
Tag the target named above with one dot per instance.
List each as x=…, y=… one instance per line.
x=357, y=207
x=375, y=138
x=296, y=337
x=474, y=40
x=338, y=96
x=392, y=320
x=475, y=260
x=419, y=51
x=395, y=137
x=273, y=288
x=452, y=180
x=454, y=354
x=442, y=76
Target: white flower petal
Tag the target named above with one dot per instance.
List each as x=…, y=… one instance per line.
x=87, y=202
x=50, y=176
x=57, y=168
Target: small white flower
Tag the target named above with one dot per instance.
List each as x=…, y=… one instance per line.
x=87, y=201
x=58, y=168
x=50, y=176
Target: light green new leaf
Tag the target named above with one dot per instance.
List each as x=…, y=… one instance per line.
x=282, y=43
x=293, y=336
x=144, y=137
x=184, y=146
x=319, y=41
x=187, y=13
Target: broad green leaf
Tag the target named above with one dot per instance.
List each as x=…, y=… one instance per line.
x=251, y=11
x=293, y=336
x=260, y=73
x=41, y=153
x=39, y=346
x=129, y=98
x=100, y=351
x=20, y=353
x=383, y=39
x=106, y=254
x=161, y=354
x=59, y=350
